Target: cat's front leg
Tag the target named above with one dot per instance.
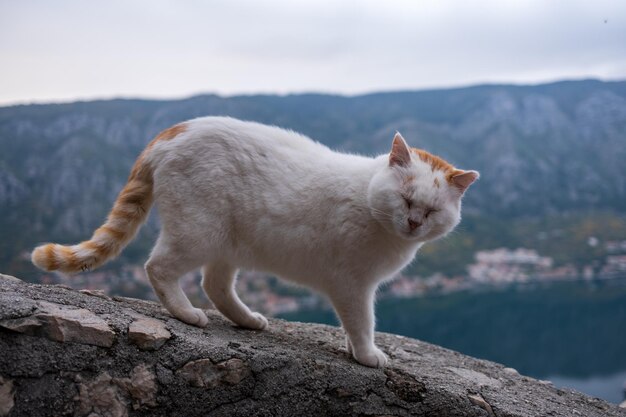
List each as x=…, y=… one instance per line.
x=355, y=308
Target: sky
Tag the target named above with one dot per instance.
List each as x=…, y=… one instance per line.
x=65, y=50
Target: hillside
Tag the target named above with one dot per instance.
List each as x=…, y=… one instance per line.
x=542, y=151
x=83, y=353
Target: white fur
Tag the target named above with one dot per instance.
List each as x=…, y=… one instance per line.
x=235, y=194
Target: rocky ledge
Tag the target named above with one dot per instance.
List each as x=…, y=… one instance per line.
x=82, y=353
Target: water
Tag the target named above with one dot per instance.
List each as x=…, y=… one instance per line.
x=573, y=334
x=609, y=387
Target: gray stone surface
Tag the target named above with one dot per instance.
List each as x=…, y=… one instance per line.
x=9, y=278
x=6, y=396
x=291, y=369
x=63, y=324
x=148, y=334
x=204, y=373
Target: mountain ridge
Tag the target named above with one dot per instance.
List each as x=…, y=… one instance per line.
x=139, y=98
x=542, y=150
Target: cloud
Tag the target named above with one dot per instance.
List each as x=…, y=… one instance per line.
x=70, y=48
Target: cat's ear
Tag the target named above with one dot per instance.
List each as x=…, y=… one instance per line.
x=400, y=154
x=463, y=179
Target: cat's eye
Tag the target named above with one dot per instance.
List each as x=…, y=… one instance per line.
x=428, y=212
x=407, y=201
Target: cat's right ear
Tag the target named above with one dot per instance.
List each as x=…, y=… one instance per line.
x=400, y=154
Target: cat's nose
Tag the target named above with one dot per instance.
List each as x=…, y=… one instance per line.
x=413, y=224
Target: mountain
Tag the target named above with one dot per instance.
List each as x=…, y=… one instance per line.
x=542, y=150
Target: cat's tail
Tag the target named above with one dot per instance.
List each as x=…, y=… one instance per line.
x=127, y=215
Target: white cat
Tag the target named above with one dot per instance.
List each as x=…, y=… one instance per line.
x=234, y=194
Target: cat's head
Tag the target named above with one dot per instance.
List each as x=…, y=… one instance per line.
x=417, y=195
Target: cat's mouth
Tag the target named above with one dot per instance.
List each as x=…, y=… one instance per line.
x=411, y=234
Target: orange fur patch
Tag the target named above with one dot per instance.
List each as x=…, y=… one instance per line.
x=88, y=244
x=131, y=205
x=69, y=257
x=140, y=170
x=117, y=213
x=437, y=164
x=171, y=132
x=134, y=193
x=98, y=249
x=117, y=234
x=52, y=264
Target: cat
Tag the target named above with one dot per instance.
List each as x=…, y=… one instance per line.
x=233, y=194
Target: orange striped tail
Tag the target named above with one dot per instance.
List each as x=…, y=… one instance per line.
x=128, y=214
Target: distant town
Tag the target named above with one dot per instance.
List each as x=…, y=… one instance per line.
x=271, y=296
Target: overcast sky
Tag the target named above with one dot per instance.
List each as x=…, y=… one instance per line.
x=59, y=50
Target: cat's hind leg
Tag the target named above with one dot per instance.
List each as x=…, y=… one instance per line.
x=164, y=268
x=218, y=282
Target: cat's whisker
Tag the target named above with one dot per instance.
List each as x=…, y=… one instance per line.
x=380, y=212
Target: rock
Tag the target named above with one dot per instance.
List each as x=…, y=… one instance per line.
x=164, y=375
x=27, y=325
x=399, y=353
x=10, y=278
x=478, y=400
x=107, y=396
x=200, y=373
x=63, y=324
x=203, y=373
x=405, y=386
x=233, y=371
x=6, y=396
x=101, y=397
x=148, y=334
x=511, y=371
x=95, y=293
x=141, y=386
x=293, y=369
x=476, y=378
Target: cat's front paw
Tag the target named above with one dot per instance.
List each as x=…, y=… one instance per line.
x=257, y=321
x=194, y=316
x=373, y=357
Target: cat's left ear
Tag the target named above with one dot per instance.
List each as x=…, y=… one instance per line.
x=400, y=154
x=463, y=179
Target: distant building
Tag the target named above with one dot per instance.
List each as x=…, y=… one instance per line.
x=505, y=266
x=615, y=246
x=614, y=266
